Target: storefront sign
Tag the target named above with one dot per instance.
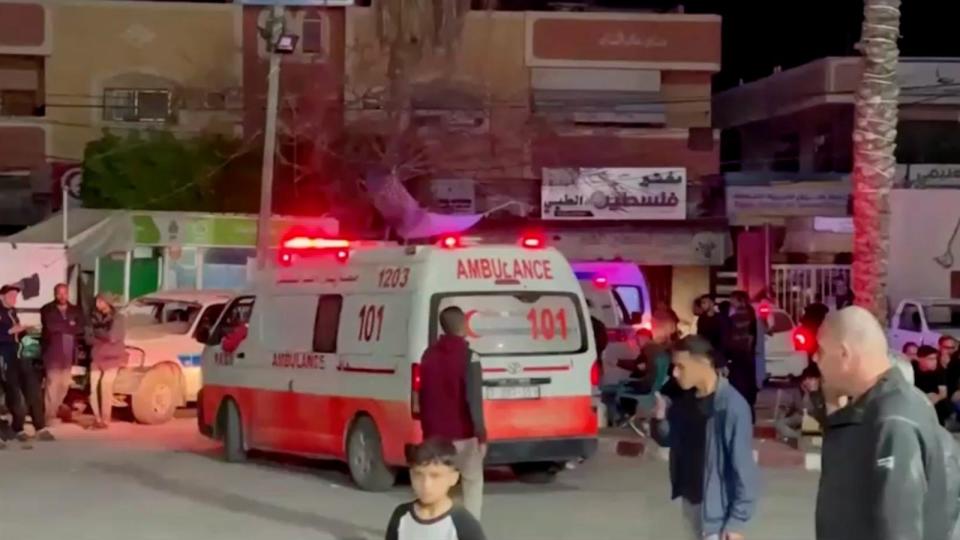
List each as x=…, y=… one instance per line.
x=790, y=200
x=930, y=175
x=624, y=41
x=454, y=195
x=221, y=231
x=614, y=194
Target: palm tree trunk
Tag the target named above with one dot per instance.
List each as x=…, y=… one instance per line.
x=874, y=141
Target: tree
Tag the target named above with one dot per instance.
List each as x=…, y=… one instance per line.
x=157, y=171
x=874, y=142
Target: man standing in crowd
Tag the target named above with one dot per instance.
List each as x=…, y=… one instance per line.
x=740, y=348
x=711, y=325
x=710, y=433
x=63, y=324
x=884, y=464
x=18, y=375
x=451, y=402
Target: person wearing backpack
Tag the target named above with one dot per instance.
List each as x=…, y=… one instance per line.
x=887, y=471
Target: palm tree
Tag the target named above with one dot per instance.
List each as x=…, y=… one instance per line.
x=874, y=141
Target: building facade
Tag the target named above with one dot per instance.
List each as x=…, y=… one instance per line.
x=71, y=69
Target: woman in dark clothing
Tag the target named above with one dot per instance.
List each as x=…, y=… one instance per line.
x=108, y=354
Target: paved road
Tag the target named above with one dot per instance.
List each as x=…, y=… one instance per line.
x=158, y=483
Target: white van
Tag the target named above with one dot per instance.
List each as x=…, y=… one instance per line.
x=330, y=341
x=618, y=296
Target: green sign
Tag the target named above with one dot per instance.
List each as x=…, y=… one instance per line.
x=214, y=231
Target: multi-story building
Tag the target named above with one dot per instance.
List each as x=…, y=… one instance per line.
x=527, y=98
x=71, y=69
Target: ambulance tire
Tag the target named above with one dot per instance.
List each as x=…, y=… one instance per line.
x=232, y=433
x=156, y=398
x=536, y=473
x=365, y=457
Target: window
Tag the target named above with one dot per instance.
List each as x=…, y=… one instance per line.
x=208, y=319
x=786, y=157
x=133, y=105
x=517, y=323
x=311, y=41
x=823, y=149
x=631, y=299
x=327, y=323
x=167, y=316
x=19, y=103
x=780, y=322
x=910, y=318
x=238, y=313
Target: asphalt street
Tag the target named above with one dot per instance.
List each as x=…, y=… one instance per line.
x=167, y=482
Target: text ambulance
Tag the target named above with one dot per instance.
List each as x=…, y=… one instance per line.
x=322, y=359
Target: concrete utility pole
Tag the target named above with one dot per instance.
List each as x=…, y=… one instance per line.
x=269, y=138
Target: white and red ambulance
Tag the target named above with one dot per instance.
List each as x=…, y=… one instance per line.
x=322, y=357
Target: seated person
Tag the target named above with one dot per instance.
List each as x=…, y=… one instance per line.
x=806, y=400
x=931, y=379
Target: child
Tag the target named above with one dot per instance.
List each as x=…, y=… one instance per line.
x=433, y=516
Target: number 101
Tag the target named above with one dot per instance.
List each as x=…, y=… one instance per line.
x=544, y=322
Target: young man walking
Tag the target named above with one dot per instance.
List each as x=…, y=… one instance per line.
x=709, y=431
x=451, y=402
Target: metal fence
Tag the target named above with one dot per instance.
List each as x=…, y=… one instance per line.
x=794, y=286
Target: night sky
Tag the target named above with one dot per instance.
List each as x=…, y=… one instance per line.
x=761, y=34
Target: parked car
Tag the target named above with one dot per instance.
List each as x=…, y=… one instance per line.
x=786, y=347
x=923, y=321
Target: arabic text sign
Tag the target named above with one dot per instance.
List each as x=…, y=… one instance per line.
x=614, y=193
x=570, y=40
x=930, y=175
x=815, y=199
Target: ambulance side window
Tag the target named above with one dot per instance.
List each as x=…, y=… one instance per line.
x=236, y=315
x=327, y=323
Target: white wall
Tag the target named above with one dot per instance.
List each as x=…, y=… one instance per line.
x=921, y=224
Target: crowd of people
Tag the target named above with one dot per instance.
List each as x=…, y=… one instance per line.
x=65, y=330
x=937, y=374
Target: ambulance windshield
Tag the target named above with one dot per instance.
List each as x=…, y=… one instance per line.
x=519, y=323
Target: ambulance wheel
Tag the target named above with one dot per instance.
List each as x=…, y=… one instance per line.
x=536, y=473
x=155, y=399
x=365, y=457
x=231, y=432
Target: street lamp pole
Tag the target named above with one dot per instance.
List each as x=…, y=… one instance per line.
x=269, y=137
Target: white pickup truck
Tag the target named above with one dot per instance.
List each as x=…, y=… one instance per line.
x=923, y=321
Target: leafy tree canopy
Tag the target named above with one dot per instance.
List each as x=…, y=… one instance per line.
x=157, y=171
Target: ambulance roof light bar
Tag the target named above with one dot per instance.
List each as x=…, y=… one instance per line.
x=308, y=242
x=533, y=240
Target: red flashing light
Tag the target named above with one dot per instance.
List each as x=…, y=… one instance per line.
x=803, y=340
x=600, y=282
x=764, y=309
x=286, y=258
x=308, y=242
x=533, y=241
x=415, y=382
x=343, y=255
x=595, y=374
x=450, y=242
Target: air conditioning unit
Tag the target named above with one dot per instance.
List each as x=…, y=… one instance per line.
x=460, y=121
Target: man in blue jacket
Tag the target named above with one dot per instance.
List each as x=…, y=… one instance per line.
x=709, y=429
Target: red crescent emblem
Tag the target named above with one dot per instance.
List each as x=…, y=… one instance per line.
x=467, y=316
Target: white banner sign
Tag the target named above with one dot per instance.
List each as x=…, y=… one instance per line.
x=791, y=200
x=932, y=175
x=614, y=193
x=454, y=195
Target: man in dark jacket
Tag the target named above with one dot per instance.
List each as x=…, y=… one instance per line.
x=711, y=325
x=710, y=433
x=63, y=325
x=884, y=464
x=451, y=402
x=17, y=374
x=740, y=348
